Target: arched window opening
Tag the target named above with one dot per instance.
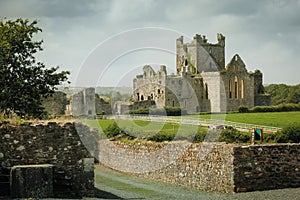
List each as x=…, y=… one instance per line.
x=242, y=89
x=230, y=90
x=142, y=97
x=236, y=87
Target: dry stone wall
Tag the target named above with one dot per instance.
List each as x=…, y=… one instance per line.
x=208, y=166
x=57, y=144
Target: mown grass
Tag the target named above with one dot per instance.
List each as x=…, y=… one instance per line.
x=276, y=119
x=159, y=131
x=151, y=130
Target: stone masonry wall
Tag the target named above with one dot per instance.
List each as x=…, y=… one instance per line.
x=208, y=166
x=264, y=167
x=52, y=143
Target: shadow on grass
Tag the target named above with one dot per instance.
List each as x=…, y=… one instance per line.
x=107, y=195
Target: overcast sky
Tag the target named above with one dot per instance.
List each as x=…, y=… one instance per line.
x=106, y=42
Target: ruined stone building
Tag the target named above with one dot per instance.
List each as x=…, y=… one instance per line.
x=83, y=103
x=202, y=83
x=88, y=103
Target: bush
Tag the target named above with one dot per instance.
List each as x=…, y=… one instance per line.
x=243, y=109
x=278, y=108
x=290, y=134
x=143, y=111
x=114, y=130
x=231, y=135
x=270, y=137
x=200, y=136
x=162, y=136
x=169, y=111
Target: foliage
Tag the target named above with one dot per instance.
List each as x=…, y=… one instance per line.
x=113, y=130
x=243, y=109
x=278, y=108
x=231, y=135
x=169, y=111
x=142, y=111
x=270, y=137
x=24, y=81
x=289, y=134
x=200, y=136
x=162, y=136
x=283, y=94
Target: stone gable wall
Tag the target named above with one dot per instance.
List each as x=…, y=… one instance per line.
x=52, y=143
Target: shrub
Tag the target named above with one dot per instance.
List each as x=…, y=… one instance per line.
x=278, y=108
x=143, y=111
x=290, y=134
x=112, y=130
x=200, y=136
x=162, y=136
x=243, y=109
x=175, y=111
x=231, y=135
x=169, y=111
x=269, y=137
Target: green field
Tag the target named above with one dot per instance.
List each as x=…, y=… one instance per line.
x=169, y=131
x=275, y=119
x=145, y=129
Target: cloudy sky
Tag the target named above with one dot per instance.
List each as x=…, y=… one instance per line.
x=106, y=42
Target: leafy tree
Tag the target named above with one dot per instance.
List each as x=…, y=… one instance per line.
x=283, y=94
x=23, y=80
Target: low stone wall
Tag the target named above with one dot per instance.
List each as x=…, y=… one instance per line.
x=264, y=167
x=208, y=166
x=57, y=144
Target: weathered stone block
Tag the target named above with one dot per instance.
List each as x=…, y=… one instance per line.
x=32, y=181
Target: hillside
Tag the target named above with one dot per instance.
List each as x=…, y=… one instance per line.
x=281, y=93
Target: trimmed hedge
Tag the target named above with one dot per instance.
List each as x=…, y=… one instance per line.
x=169, y=111
x=278, y=108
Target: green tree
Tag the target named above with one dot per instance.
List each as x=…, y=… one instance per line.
x=283, y=94
x=289, y=134
x=23, y=80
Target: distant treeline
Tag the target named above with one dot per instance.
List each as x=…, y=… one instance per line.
x=283, y=94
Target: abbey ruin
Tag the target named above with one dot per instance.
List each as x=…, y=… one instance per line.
x=202, y=83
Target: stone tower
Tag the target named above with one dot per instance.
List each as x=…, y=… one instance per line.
x=200, y=55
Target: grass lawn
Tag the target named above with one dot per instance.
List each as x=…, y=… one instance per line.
x=276, y=119
x=100, y=124
x=146, y=129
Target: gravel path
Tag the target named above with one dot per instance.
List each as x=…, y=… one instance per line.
x=114, y=185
